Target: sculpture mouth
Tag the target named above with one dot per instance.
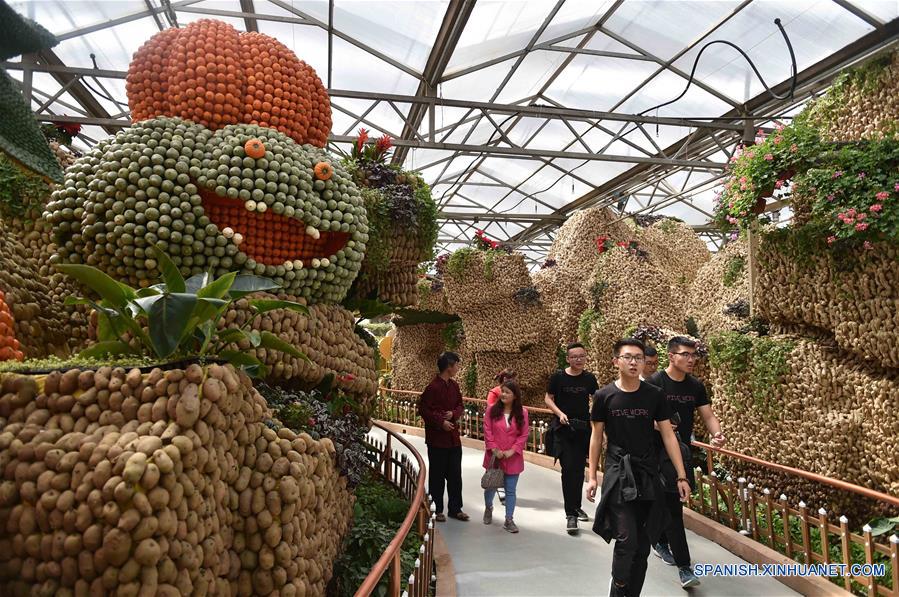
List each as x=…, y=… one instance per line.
x=269, y=238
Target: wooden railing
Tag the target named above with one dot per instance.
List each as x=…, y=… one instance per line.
x=408, y=476
x=738, y=504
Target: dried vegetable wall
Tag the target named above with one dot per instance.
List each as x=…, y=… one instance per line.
x=167, y=483
x=719, y=295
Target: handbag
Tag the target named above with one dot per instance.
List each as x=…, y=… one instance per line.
x=494, y=477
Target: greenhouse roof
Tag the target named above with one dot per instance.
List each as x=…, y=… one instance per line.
x=516, y=112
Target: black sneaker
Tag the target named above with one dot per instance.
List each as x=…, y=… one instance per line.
x=687, y=578
x=662, y=551
x=582, y=516
x=571, y=525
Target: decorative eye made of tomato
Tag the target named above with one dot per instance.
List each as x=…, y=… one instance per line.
x=254, y=148
x=323, y=171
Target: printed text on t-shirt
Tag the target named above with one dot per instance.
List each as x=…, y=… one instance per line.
x=629, y=412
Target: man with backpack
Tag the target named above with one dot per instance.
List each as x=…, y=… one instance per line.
x=440, y=406
x=685, y=394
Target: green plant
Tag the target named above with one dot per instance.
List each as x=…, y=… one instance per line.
x=561, y=357
x=691, y=327
x=588, y=319
x=452, y=335
x=21, y=192
x=377, y=516
x=757, y=364
x=528, y=296
x=181, y=316
x=460, y=261
x=471, y=379
x=597, y=290
x=733, y=269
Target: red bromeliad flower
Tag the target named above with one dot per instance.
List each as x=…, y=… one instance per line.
x=384, y=143
x=361, y=139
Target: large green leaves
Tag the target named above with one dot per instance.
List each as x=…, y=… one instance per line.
x=269, y=340
x=246, y=284
x=171, y=275
x=167, y=320
x=108, y=289
x=266, y=305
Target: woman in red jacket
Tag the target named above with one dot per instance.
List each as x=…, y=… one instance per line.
x=505, y=436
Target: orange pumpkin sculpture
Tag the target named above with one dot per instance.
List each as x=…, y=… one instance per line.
x=9, y=346
x=211, y=74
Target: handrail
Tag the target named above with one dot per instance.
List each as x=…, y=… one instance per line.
x=844, y=485
x=391, y=553
x=531, y=409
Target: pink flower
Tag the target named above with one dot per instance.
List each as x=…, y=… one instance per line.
x=742, y=179
x=778, y=139
x=768, y=157
x=896, y=188
x=830, y=197
x=861, y=175
x=876, y=207
x=837, y=174
x=750, y=154
x=883, y=195
x=731, y=220
x=861, y=216
x=831, y=240
x=868, y=245
x=861, y=227
x=794, y=148
x=778, y=184
x=779, y=126
x=851, y=212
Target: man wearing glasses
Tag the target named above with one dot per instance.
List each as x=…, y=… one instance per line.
x=685, y=394
x=568, y=397
x=631, y=509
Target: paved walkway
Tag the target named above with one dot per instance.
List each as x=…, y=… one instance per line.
x=543, y=560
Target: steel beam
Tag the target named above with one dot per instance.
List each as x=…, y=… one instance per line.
x=75, y=89
x=125, y=19
x=250, y=22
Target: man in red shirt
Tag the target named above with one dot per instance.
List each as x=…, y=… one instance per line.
x=441, y=409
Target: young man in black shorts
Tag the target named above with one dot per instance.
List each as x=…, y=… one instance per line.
x=568, y=396
x=685, y=394
x=631, y=509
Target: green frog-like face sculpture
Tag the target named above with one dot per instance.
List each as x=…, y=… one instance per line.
x=243, y=197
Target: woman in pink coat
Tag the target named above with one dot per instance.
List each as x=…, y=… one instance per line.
x=505, y=436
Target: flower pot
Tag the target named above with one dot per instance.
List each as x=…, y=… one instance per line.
x=759, y=207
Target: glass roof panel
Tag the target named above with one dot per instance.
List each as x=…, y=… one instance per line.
x=402, y=30
x=650, y=24
x=497, y=28
x=817, y=28
x=62, y=17
x=317, y=9
x=885, y=10
x=610, y=80
x=574, y=16
x=310, y=44
x=530, y=75
x=355, y=68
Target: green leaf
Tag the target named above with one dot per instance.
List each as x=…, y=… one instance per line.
x=75, y=300
x=150, y=291
x=254, y=337
x=167, y=321
x=196, y=282
x=219, y=288
x=269, y=340
x=98, y=281
x=146, y=302
x=106, y=349
x=266, y=305
x=171, y=275
x=248, y=284
x=231, y=335
x=879, y=526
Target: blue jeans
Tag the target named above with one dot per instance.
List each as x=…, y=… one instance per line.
x=511, y=482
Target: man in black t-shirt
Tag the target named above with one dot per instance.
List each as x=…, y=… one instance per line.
x=685, y=394
x=568, y=396
x=631, y=509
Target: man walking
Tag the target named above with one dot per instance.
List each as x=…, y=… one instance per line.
x=568, y=396
x=631, y=509
x=441, y=409
x=684, y=394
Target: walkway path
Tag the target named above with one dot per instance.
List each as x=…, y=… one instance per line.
x=543, y=560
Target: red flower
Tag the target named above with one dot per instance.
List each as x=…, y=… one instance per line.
x=384, y=143
x=861, y=227
x=622, y=243
x=883, y=196
x=361, y=139
x=311, y=421
x=876, y=207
